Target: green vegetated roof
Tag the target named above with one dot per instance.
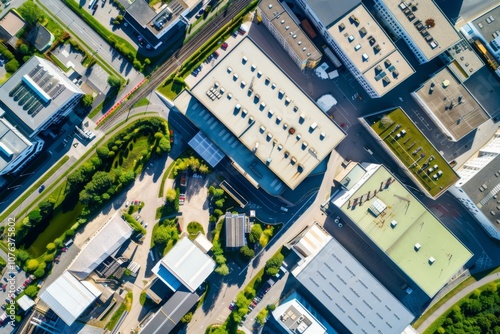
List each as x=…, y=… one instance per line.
x=401, y=225
x=415, y=151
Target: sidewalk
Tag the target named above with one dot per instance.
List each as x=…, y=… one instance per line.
x=453, y=300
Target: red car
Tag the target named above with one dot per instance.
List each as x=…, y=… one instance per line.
x=64, y=249
x=224, y=46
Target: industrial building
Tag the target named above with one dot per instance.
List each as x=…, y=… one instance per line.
x=102, y=245
x=274, y=133
x=450, y=105
x=288, y=33
x=236, y=227
x=295, y=318
x=37, y=96
x=422, y=25
x=392, y=219
x=358, y=302
x=479, y=185
x=185, y=265
x=68, y=297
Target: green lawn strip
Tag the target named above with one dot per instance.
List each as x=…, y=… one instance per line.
x=407, y=158
x=125, y=306
x=99, y=60
x=142, y=102
x=470, y=280
x=166, y=174
x=120, y=44
x=58, y=62
x=193, y=228
x=433, y=328
x=34, y=188
x=134, y=223
x=96, y=110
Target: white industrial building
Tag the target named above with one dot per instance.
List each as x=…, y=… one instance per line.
x=68, y=297
x=104, y=243
x=479, y=186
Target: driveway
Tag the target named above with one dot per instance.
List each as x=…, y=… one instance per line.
x=195, y=207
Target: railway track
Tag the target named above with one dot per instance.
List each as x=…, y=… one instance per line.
x=175, y=61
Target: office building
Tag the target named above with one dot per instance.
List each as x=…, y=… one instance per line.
x=479, y=185
x=486, y=28
x=422, y=25
x=288, y=33
x=235, y=226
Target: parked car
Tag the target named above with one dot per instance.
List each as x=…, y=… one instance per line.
x=224, y=46
x=42, y=188
x=64, y=249
x=4, y=287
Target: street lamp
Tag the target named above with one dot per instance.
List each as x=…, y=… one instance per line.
x=26, y=174
x=15, y=187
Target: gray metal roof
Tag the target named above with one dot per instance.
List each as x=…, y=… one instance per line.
x=37, y=91
x=235, y=230
x=484, y=199
x=187, y=263
x=141, y=12
x=329, y=11
x=68, y=297
x=171, y=313
x=488, y=24
x=107, y=240
x=351, y=293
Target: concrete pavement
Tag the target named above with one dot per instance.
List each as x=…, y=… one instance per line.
x=215, y=309
x=453, y=300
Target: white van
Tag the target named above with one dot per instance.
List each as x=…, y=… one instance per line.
x=152, y=255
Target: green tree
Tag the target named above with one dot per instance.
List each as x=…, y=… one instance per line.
x=24, y=49
x=22, y=255
x=222, y=270
x=164, y=234
x=51, y=247
x=187, y=317
x=127, y=177
x=114, y=81
x=39, y=273
x=164, y=145
x=219, y=203
x=102, y=152
x=31, y=291
x=247, y=252
x=273, y=264
x=32, y=265
x=31, y=13
x=171, y=195
x=11, y=66
x=35, y=217
x=262, y=316
x=220, y=259
x=87, y=100
x=255, y=233
x=204, y=169
x=46, y=207
x=218, y=192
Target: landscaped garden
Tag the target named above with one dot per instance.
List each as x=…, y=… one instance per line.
x=414, y=150
x=114, y=165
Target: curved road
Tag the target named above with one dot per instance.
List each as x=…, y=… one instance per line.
x=453, y=300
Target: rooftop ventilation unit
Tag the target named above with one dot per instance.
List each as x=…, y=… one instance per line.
x=253, y=67
x=269, y=136
x=417, y=247
x=270, y=6
x=357, y=47
x=299, y=42
x=282, y=21
x=278, y=120
x=229, y=70
x=287, y=27
x=244, y=112
x=256, y=147
x=303, y=49
x=244, y=60
x=235, y=76
x=394, y=223
x=350, y=38
x=243, y=84
x=273, y=86
x=314, y=126
x=294, y=36
x=229, y=96
x=365, y=57
x=216, y=84
x=262, y=128
x=259, y=74
x=432, y=260
x=322, y=136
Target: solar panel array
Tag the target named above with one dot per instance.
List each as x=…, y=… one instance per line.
x=206, y=149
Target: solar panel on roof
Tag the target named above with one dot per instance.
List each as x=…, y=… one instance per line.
x=206, y=149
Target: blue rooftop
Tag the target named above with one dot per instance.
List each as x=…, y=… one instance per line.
x=169, y=279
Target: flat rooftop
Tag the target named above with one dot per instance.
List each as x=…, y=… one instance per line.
x=12, y=143
x=466, y=61
x=450, y=105
x=273, y=118
x=430, y=171
x=328, y=11
x=156, y=21
x=430, y=40
x=370, y=50
x=295, y=318
x=12, y=23
x=351, y=294
x=36, y=91
x=489, y=24
x=289, y=30
x=410, y=235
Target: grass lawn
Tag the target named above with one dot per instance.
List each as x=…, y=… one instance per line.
x=129, y=161
x=125, y=306
x=142, y=102
x=170, y=89
x=405, y=146
x=470, y=280
x=5, y=77
x=59, y=224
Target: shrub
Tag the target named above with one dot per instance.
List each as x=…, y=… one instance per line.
x=51, y=247
x=31, y=291
x=39, y=273
x=12, y=66
x=48, y=257
x=114, y=81
x=187, y=317
x=222, y=270
x=32, y=265
x=87, y=100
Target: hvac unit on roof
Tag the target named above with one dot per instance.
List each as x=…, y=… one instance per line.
x=417, y=247
x=432, y=260
x=244, y=60
x=322, y=136
x=394, y=223
x=253, y=67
